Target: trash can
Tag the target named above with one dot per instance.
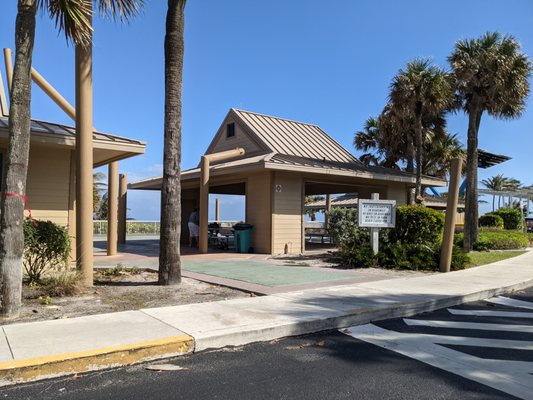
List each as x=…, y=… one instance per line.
x=243, y=237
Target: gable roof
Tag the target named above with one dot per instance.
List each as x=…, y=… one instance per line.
x=287, y=137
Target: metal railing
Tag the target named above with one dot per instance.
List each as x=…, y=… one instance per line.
x=135, y=227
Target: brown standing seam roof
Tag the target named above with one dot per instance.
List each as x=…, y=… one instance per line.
x=70, y=131
x=293, y=138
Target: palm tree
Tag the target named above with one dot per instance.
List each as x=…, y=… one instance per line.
x=495, y=183
x=439, y=152
x=98, y=186
x=73, y=17
x=425, y=91
x=169, y=251
x=376, y=143
x=491, y=75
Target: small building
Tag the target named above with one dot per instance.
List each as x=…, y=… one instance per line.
x=51, y=181
x=284, y=161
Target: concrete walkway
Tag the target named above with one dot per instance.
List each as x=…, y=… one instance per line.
x=51, y=348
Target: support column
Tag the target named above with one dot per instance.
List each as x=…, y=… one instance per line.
x=9, y=70
x=122, y=208
x=204, y=205
x=451, y=210
x=217, y=210
x=112, y=208
x=84, y=164
x=328, y=209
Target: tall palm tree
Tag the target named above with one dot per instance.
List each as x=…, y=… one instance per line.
x=73, y=17
x=169, y=250
x=425, y=91
x=492, y=75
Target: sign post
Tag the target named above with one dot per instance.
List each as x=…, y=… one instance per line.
x=375, y=214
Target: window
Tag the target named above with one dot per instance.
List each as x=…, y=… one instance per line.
x=230, y=130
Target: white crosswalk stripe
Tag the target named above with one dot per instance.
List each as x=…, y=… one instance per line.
x=506, y=301
x=491, y=313
x=511, y=376
x=469, y=325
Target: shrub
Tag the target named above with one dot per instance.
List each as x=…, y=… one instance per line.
x=46, y=246
x=60, y=284
x=501, y=241
x=342, y=222
x=417, y=225
x=512, y=217
x=491, y=221
x=420, y=257
x=497, y=240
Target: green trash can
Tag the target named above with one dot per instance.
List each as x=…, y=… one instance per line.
x=243, y=237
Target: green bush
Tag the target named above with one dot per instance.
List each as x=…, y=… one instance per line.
x=512, y=218
x=491, y=221
x=342, y=223
x=353, y=242
x=497, y=240
x=417, y=225
x=46, y=246
x=420, y=257
x=501, y=241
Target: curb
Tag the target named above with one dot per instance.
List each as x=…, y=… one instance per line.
x=359, y=316
x=12, y=372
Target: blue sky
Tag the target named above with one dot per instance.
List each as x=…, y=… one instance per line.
x=328, y=63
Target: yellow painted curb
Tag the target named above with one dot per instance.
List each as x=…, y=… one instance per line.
x=76, y=362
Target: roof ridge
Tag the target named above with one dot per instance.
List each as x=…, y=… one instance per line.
x=273, y=116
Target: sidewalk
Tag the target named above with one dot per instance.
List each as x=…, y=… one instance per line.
x=45, y=349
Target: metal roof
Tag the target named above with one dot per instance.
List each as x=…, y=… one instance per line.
x=486, y=159
x=346, y=200
x=294, y=138
x=66, y=131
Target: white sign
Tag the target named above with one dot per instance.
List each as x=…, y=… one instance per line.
x=377, y=213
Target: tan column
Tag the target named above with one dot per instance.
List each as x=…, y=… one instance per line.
x=112, y=208
x=122, y=207
x=53, y=93
x=84, y=164
x=204, y=205
x=9, y=70
x=217, y=210
x=328, y=209
x=451, y=210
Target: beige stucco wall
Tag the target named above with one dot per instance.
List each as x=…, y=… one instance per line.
x=48, y=184
x=259, y=210
x=397, y=192
x=287, y=213
x=241, y=139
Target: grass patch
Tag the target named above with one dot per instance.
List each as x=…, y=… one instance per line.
x=486, y=257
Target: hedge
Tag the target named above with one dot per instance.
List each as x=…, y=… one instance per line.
x=494, y=240
x=491, y=221
x=414, y=243
x=512, y=217
x=417, y=225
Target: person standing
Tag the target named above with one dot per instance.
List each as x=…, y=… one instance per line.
x=194, y=228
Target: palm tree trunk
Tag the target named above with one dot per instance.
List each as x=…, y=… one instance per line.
x=471, y=205
x=12, y=206
x=419, y=149
x=411, y=164
x=169, y=253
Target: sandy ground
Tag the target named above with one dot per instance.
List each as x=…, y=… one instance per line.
x=120, y=292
